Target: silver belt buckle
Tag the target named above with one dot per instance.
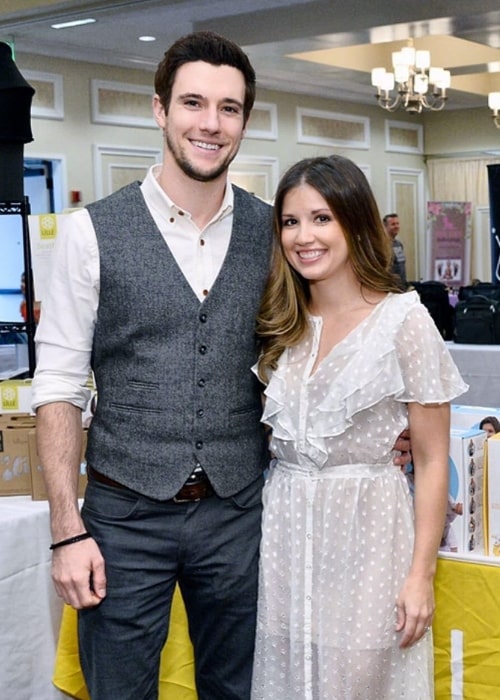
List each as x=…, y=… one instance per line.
x=196, y=472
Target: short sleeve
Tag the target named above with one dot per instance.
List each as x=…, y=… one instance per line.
x=427, y=368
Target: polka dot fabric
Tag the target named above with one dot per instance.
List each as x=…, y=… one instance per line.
x=338, y=519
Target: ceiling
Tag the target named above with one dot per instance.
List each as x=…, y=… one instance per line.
x=339, y=41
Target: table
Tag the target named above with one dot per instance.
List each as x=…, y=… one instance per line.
x=479, y=366
x=29, y=607
x=466, y=625
x=466, y=629
x=466, y=634
x=13, y=361
x=34, y=623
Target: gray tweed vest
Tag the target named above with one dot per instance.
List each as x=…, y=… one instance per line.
x=173, y=374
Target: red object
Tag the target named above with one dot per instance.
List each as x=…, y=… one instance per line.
x=24, y=313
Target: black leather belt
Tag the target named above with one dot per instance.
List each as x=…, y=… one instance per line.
x=94, y=475
x=191, y=491
x=194, y=491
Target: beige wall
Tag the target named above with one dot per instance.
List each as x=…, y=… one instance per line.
x=467, y=131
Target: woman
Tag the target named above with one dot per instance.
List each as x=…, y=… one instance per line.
x=347, y=559
x=491, y=424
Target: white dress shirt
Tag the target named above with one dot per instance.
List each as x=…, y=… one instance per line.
x=65, y=333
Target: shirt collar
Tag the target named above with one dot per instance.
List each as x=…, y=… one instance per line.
x=158, y=198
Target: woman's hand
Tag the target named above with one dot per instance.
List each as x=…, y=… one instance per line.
x=415, y=609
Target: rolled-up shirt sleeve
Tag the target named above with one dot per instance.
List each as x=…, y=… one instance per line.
x=69, y=307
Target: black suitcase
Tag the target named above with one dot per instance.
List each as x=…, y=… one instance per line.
x=484, y=289
x=434, y=296
x=477, y=321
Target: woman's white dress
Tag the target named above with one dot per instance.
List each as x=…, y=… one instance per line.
x=338, y=516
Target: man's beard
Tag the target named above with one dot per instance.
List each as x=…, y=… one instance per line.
x=189, y=170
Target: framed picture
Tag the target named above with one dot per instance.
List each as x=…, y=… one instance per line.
x=404, y=137
x=263, y=122
x=48, y=100
x=258, y=175
x=321, y=128
x=122, y=104
x=117, y=166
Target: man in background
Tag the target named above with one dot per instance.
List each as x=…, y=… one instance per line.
x=391, y=223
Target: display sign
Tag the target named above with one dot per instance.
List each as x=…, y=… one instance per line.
x=494, y=192
x=449, y=231
x=43, y=230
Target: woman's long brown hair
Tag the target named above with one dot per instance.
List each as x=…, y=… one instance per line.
x=283, y=317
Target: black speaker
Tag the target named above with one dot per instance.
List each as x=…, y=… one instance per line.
x=494, y=192
x=15, y=126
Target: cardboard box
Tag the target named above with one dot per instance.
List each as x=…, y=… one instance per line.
x=464, y=520
x=469, y=417
x=15, y=475
x=15, y=396
x=492, y=488
x=37, y=487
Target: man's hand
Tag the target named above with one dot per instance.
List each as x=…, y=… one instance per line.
x=78, y=574
x=403, y=446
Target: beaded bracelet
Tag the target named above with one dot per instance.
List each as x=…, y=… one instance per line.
x=71, y=540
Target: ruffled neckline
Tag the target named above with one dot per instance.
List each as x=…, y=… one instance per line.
x=351, y=342
x=374, y=353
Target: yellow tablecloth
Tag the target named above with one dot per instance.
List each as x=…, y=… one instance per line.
x=466, y=640
x=177, y=666
x=467, y=631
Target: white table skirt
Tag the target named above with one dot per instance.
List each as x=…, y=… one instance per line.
x=30, y=611
x=479, y=366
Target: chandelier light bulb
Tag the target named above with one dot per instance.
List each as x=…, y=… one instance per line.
x=408, y=56
x=494, y=104
x=401, y=73
x=397, y=59
x=494, y=101
x=445, y=80
x=388, y=82
x=435, y=75
x=378, y=77
x=421, y=83
x=422, y=60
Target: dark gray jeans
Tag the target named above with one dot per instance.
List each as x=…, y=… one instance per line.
x=210, y=548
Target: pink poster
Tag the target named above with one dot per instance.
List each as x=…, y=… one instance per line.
x=449, y=228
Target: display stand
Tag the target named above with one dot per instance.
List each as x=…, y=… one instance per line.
x=22, y=209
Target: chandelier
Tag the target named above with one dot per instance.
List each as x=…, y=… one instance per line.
x=414, y=76
x=494, y=104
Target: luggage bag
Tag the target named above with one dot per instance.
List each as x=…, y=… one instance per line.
x=477, y=321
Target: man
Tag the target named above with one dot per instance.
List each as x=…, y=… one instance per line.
x=159, y=285
x=391, y=223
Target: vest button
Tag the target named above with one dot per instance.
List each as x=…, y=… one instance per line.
x=203, y=349
x=200, y=412
x=201, y=382
x=199, y=444
x=203, y=318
